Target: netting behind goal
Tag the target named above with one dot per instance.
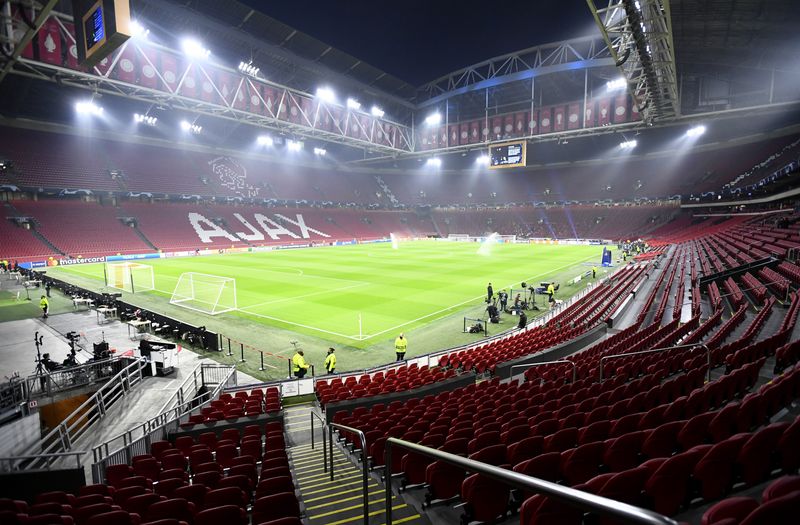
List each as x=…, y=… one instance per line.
x=211, y=294
x=130, y=277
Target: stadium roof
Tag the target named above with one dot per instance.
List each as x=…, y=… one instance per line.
x=757, y=34
x=299, y=58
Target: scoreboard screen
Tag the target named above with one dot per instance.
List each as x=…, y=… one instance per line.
x=508, y=155
x=94, y=28
x=101, y=27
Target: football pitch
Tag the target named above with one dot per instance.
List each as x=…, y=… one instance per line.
x=361, y=295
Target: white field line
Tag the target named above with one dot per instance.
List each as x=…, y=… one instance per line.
x=365, y=337
x=298, y=324
x=312, y=294
x=467, y=301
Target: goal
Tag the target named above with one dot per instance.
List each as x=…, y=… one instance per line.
x=130, y=277
x=210, y=294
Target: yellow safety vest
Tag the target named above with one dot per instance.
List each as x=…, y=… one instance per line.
x=44, y=303
x=551, y=289
x=330, y=362
x=298, y=362
x=400, y=345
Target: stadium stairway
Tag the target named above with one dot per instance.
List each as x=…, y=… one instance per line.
x=144, y=238
x=36, y=233
x=340, y=501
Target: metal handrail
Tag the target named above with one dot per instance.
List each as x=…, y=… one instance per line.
x=179, y=395
x=654, y=350
x=365, y=467
x=560, y=361
x=69, y=378
x=324, y=444
x=148, y=428
x=570, y=496
x=65, y=433
x=53, y=455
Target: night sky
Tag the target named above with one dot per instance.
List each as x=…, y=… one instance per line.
x=420, y=40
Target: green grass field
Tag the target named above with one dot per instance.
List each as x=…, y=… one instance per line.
x=357, y=297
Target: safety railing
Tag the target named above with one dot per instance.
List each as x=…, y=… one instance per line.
x=47, y=461
x=324, y=443
x=137, y=440
x=655, y=350
x=432, y=357
x=76, y=424
x=583, y=500
x=559, y=362
x=364, y=465
x=13, y=394
x=78, y=376
x=187, y=391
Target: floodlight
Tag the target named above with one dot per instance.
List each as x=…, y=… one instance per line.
x=293, y=145
x=326, y=94
x=88, y=107
x=188, y=126
x=482, y=160
x=145, y=119
x=353, y=103
x=434, y=162
x=433, y=119
x=265, y=140
x=628, y=144
x=320, y=152
x=194, y=48
x=248, y=69
x=696, y=131
x=617, y=84
x=138, y=30
x=376, y=112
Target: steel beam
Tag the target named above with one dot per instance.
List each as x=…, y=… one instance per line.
x=512, y=67
x=27, y=37
x=638, y=34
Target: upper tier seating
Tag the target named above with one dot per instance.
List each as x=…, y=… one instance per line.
x=19, y=243
x=82, y=228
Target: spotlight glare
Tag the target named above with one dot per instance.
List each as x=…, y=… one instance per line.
x=434, y=162
x=320, y=152
x=138, y=30
x=145, y=119
x=88, y=107
x=248, y=69
x=188, y=126
x=628, y=144
x=617, y=84
x=696, y=131
x=433, y=119
x=326, y=94
x=194, y=49
x=265, y=140
x=293, y=145
x=376, y=112
x=482, y=160
x=353, y=104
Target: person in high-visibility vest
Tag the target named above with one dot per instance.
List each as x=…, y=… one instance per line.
x=551, y=289
x=330, y=361
x=299, y=365
x=400, y=346
x=44, y=304
x=594, y=272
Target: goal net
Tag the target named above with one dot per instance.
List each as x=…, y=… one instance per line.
x=210, y=294
x=130, y=277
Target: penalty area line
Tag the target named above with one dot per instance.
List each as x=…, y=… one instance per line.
x=450, y=308
x=295, y=324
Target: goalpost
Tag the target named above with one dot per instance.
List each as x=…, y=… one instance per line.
x=210, y=294
x=129, y=277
